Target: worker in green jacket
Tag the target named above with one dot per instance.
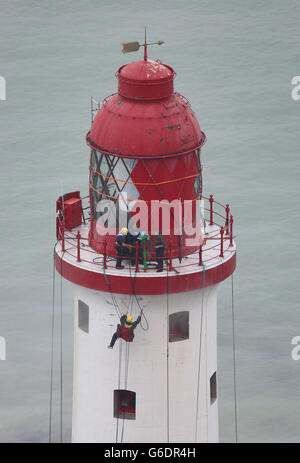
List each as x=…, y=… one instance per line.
x=159, y=250
x=145, y=245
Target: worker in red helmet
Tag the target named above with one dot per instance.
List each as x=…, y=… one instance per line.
x=125, y=330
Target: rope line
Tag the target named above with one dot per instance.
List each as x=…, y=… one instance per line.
x=143, y=183
x=117, y=198
x=234, y=362
x=61, y=352
x=133, y=282
x=199, y=359
x=119, y=385
x=168, y=384
x=52, y=347
x=113, y=298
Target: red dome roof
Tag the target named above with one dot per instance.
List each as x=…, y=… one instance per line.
x=146, y=80
x=145, y=118
x=146, y=70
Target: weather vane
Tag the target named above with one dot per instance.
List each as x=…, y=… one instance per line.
x=135, y=46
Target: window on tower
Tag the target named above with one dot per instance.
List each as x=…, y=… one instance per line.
x=179, y=326
x=198, y=179
x=110, y=178
x=213, y=388
x=124, y=404
x=83, y=316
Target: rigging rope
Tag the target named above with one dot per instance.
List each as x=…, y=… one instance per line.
x=61, y=350
x=52, y=351
x=137, y=301
x=52, y=346
x=143, y=183
x=167, y=337
x=113, y=298
x=119, y=385
x=199, y=358
x=234, y=361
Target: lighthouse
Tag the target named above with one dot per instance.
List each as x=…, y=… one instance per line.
x=145, y=175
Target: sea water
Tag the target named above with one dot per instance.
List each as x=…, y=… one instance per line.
x=234, y=61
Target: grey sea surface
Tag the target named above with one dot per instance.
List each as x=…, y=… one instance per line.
x=234, y=61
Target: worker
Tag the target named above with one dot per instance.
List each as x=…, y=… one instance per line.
x=125, y=329
x=145, y=245
x=159, y=250
x=121, y=246
x=131, y=240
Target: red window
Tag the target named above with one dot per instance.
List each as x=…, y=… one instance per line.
x=178, y=326
x=124, y=404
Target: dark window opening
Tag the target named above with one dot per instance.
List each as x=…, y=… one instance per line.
x=124, y=404
x=213, y=388
x=178, y=326
x=83, y=316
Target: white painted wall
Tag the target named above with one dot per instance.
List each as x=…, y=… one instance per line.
x=96, y=370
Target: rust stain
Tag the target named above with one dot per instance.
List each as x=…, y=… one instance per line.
x=171, y=127
x=188, y=139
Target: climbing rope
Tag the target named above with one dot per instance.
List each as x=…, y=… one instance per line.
x=119, y=386
x=133, y=282
x=199, y=358
x=125, y=383
x=52, y=350
x=113, y=298
x=167, y=337
x=52, y=346
x=61, y=350
x=234, y=361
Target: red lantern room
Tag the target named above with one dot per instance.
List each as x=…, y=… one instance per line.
x=145, y=170
x=145, y=141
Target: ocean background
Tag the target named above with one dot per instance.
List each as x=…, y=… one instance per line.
x=234, y=61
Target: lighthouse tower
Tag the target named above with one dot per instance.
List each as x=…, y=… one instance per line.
x=145, y=174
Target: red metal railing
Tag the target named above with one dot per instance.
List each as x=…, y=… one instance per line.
x=73, y=243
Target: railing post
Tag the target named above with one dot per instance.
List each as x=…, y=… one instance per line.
x=78, y=246
x=231, y=231
x=170, y=260
x=145, y=258
x=180, y=249
x=200, y=255
x=104, y=256
x=222, y=243
x=137, y=256
x=62, y=233
x=211, y=200
x=227, y=219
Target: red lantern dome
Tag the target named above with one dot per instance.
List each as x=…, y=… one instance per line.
x=145, y=142
x=145, y=170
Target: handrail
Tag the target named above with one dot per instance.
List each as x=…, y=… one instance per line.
x=223, y=237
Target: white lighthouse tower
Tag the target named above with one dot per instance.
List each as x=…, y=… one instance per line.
x=146, y=142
